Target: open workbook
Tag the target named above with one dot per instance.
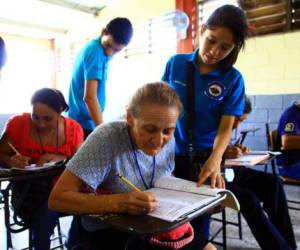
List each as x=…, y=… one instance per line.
x=251, y=158
x=179, y=198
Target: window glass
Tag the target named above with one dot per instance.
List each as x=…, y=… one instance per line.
x=28, y=68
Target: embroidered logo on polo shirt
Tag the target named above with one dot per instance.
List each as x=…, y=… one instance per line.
x=289, y=127
x=215, y=90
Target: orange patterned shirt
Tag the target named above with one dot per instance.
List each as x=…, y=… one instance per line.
x=18, y=130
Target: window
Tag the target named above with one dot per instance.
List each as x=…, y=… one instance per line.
x=264, y=16
x=29, y=67
x=141, y=62
x=268, y=16
x=295, y=14
x=206, y=7
x=154, y=36
x=64, y=59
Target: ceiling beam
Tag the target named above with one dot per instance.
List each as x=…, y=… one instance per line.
x=75, y=6
x=33, y=26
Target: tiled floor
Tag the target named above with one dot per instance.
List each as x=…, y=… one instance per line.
x=248, y=242
x=20, y=240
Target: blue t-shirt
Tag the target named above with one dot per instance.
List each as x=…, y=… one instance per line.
x=217, y=93
x=90, y=64
x=289, y=123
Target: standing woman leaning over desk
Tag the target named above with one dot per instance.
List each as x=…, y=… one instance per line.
x=40, y=137
x=212, y=93
x=218, y=94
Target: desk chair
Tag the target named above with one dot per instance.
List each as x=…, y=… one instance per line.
x=239, y=215
x=244, y=134
x=14, y=224
x=240, y=139
x=1, y=195
x=274, y=145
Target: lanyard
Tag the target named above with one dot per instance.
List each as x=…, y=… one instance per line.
x=138, y=165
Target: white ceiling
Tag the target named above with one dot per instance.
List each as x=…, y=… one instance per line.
x=48, y=19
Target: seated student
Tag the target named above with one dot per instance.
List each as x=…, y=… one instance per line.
x=2, y=54
x=270, y=223
x=289, y=139
x=142, y=148
x=42, y=136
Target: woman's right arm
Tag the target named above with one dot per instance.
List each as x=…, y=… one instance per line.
x=8, y=158
x=66, y=196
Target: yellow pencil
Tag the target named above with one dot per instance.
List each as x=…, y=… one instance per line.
x=13, y=148
x=128, y=182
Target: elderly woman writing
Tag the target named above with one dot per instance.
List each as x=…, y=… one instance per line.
x=38, y=137
x=142, y=148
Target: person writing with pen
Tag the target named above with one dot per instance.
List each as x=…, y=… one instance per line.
x=270, y=222
x=140, y=149
x=41, y=136
x=18, y=160
x=237, y=149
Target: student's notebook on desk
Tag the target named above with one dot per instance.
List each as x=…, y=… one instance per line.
x=263, y=152
x=180, y=198
x=251, y=158
x=36, y=168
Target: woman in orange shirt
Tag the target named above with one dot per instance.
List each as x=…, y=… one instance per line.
x=40, y=137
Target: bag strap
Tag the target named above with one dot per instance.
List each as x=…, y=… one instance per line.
x=190, y=103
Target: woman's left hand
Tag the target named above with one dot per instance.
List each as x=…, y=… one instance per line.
x=48, y=157
x=211, y=169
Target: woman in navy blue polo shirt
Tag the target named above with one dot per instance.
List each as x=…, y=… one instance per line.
x=218, y=93
x=212, y=92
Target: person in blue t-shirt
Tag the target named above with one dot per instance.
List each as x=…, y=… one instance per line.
x=218, y=94
x=87, y=88
x=289, y=140
x=266, y=215
x=2, y=54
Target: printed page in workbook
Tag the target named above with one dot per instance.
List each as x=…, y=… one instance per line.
x=179, y=198
x=247, y=160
